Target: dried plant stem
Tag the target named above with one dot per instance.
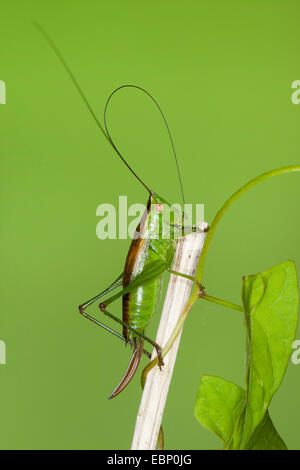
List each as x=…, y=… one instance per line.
x=157, y=383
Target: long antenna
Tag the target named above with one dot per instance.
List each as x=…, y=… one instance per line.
x=164, y=119
x=79, y=89
x=106, y=132
x=68, y=70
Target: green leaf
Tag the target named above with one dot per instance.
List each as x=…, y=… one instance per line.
x=271, y=309
x=265, y=437
x=218, y=406
x=241, y=419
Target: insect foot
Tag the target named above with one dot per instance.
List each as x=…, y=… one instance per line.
x=201, y=291
x=160, y=358
x=81, y=309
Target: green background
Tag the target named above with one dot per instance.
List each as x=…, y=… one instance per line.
x=222, y=72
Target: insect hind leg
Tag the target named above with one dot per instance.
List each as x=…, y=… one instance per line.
x=158, y=348
x=107, y=328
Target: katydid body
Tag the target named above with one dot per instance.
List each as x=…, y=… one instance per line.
x=139, y=304
x=150, y=255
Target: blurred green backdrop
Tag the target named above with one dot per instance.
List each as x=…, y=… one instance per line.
x=222, y=72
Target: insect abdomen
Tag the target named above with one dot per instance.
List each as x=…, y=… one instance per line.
x=140, y=305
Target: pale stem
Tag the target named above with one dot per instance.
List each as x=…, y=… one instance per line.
x=157, y=383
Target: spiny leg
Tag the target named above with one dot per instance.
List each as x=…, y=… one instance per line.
x=153, y=270
x=110, y=330
x=117, y=283
x=102, y=307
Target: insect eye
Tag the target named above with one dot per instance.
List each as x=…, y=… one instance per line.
x=158, y=207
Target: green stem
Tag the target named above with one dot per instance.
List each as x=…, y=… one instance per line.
x=222, y=302
x=231, y=200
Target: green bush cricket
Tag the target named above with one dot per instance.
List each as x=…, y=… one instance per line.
x=150, y=254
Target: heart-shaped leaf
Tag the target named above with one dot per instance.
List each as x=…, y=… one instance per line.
x=239, y=418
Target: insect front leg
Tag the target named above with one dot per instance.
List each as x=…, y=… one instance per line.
x=201, y=288
x=169, y=260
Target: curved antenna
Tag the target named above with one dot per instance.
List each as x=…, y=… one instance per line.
x=166, y=124
x=80, y=91
x=106, y=132
x=70, y=73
